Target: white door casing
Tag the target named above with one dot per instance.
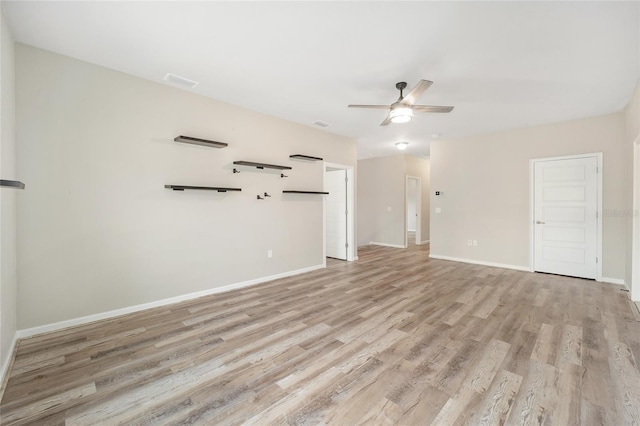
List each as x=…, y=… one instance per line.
x=566, y=216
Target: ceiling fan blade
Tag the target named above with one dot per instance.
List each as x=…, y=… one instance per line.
x=370, y=106
x=386, y=121
x=417, y=90
x=431, y=108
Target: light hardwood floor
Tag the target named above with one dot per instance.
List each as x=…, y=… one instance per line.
x=394, y=338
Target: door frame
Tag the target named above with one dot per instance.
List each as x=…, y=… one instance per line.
x=351, y=225
x=418, y=210
x=635, y=247
x=532, y=163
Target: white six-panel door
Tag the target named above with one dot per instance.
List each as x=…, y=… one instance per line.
x=565, y=216
x=336, y=217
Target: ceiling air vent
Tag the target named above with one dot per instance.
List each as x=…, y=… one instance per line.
x=321, y=123
x=180, y=81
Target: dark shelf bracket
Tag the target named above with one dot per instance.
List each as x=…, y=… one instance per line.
x=206, y=188
x=266, y=195
x=306, y=157
x=261, y=165
x=305, y=192
x=236, y=170
x=282, y=175
x=15, y=184
x=201, y=142
x=259, y=197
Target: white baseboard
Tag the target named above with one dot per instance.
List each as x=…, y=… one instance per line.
x=617, y=281
x=6, y=365
x=28, y=332
x=480, y=262
x=373, y=243
x=423, y=242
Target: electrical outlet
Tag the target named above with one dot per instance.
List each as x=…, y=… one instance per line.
x=475, y=242
x=269, y=253
x=470, y=242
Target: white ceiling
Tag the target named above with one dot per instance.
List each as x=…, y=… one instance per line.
x=502, y=65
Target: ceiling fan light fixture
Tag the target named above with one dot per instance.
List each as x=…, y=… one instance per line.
x=402, y=145
x=401, y=114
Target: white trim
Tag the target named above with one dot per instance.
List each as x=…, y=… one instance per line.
x=480, y=262
x=617, y=281
x=21, y=334
x=7, y=364
x=374, y=243
x=423, y=242
x=351, y=217
x=599, y=179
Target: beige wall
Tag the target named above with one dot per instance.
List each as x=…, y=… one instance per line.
x=632, y=131
x=8, y=277
x=382, y=198
x=632, y=115
x=485, y=185
x=98, y=231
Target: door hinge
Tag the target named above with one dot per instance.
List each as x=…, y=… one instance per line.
x=346, y=179
x=596, y=260
x=597, y=169
x=597, y=215
x=346, y=245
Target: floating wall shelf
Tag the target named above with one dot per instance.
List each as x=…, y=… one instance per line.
x=16, y=184
x=208, y=188
x=198, y=141
x=305, y=157
x=305, y=192
x=261, y=165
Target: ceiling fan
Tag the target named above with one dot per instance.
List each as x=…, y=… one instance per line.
x=401, y=111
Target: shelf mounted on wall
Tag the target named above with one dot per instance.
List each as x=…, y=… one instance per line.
x=198, y=141
x=305, y=157
x=15, y=184
x=261, y=165
x=305, y=192
x=206, y=188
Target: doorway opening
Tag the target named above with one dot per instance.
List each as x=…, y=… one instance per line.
x=413, y=222
x=566, y=215
x=338, y=212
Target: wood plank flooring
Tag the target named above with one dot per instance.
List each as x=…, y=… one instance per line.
x=394, y=338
